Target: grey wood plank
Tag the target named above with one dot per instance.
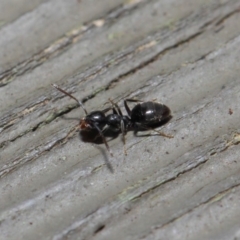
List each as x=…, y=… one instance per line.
x=56, y=186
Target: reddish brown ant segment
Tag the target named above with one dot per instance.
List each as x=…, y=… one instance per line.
x=83, y=124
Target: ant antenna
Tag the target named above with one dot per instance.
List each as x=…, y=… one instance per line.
x=71, y=96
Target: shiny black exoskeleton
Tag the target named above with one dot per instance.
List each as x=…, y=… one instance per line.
x=144, y=115
x=147, y=113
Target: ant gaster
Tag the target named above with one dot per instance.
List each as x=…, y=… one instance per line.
x=142, y=116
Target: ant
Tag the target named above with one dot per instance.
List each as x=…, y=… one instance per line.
x=144, y=115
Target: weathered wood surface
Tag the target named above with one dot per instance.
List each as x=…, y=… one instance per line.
x=184, y=53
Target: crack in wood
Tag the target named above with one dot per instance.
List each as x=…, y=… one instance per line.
x=59, y=46
x=224, y=18
x=215, y=198
x=35, y=153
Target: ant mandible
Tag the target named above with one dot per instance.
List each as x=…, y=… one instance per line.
x=144, y=115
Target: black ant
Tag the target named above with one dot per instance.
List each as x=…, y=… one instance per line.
x=144, y=115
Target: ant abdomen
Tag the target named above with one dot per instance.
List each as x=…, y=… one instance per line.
x=150, y=113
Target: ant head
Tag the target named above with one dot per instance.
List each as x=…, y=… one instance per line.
x=93, y=119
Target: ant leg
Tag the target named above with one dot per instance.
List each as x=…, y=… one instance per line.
x=126, y=105
x=106, y=109
x=121, y=123
x=127, y=108
x=116, y=106
x=113, y=108
x=133, y=100
x=102, y=131
x=123, y=136
x=162, y=134
x=103, y=138
x=154, y=130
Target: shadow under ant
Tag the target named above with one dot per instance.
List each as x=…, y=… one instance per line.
x=92, y=136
